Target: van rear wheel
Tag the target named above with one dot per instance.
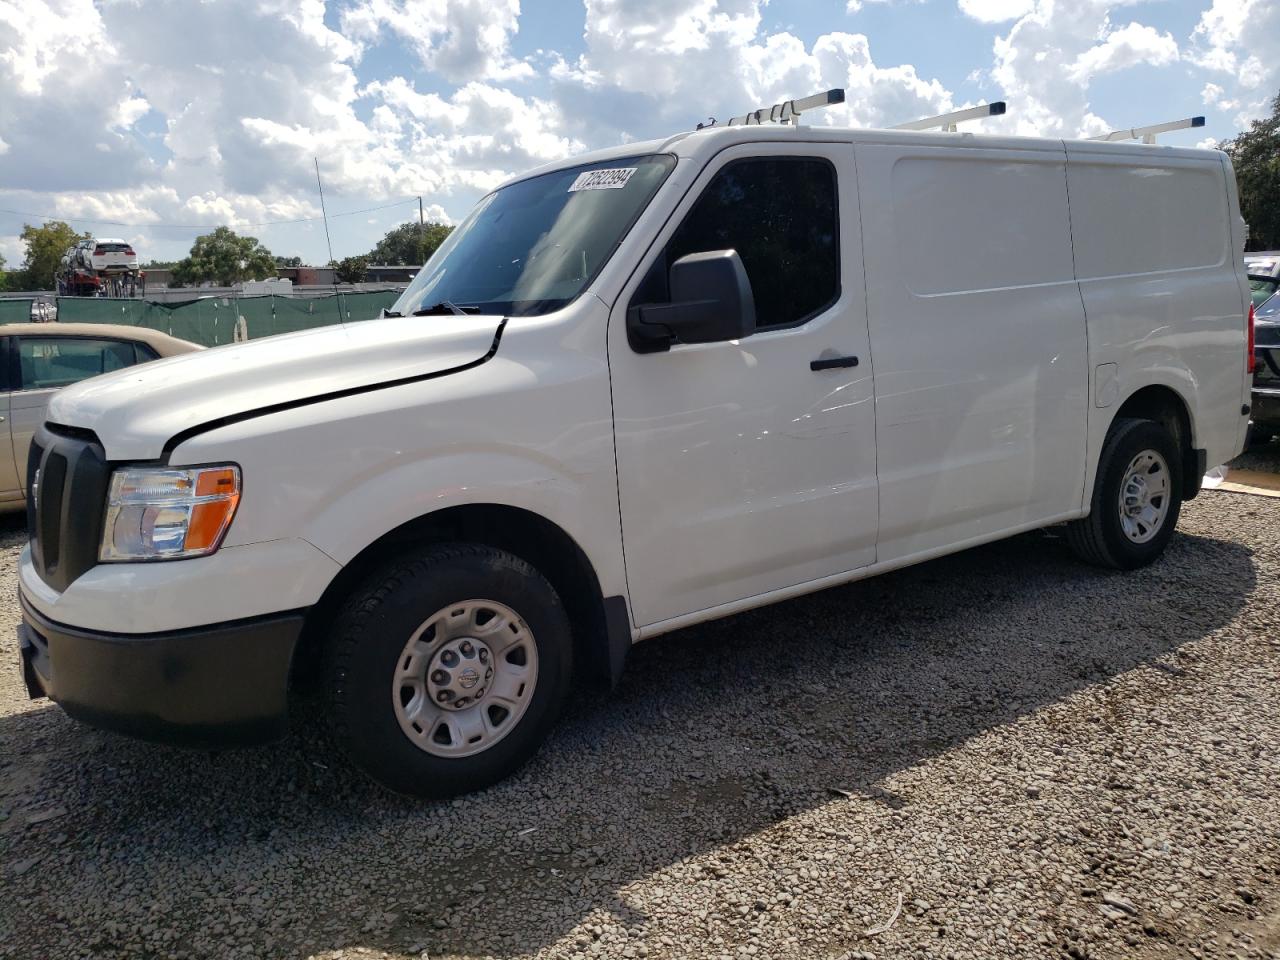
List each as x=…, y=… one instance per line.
x=1136, y=498
x=447, y=669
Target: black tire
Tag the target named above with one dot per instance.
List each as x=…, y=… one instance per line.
x=368, y=640
x=1099, y=538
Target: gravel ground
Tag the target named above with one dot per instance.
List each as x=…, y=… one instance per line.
x=1035, y=758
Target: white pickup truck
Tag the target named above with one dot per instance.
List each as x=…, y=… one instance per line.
x=634, y=391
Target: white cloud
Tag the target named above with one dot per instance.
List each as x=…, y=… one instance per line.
x=130, y=111
x=996, y=11
x=1239, y=42
x=12, y=251
x=212, y=113
x=853, y=6
x=1045, y=63
x=53, y=55
x=458, y=39
x=45, y=38
x=1127, y=47
x=685, y=60
x=1214, y=95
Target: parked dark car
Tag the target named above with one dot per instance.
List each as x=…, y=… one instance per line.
x=1265, y=402
x=1264, y=275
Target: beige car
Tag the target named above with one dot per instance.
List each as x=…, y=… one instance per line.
x=41, y=358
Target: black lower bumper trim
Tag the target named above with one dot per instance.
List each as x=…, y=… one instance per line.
x=218, y=685
x=1266, y=409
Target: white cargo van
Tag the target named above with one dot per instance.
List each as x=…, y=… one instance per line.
x=634, y=391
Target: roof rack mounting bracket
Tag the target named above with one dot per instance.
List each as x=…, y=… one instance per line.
x=947, y=122
x=786, y=112
x=1149, y=134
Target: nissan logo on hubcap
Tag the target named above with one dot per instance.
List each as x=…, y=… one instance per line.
x=468, y=679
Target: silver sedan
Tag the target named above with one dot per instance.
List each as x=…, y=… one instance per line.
x=41, y=358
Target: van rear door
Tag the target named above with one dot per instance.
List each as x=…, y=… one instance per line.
x=978, y=334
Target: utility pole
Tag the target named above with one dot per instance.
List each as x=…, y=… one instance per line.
x=422, y=229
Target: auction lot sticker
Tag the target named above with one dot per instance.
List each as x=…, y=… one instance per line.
x=613, y=179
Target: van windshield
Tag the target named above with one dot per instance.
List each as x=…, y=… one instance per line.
x=532, y=247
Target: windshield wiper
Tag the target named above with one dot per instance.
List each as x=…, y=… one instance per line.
x=443, y=307
x=391, y=313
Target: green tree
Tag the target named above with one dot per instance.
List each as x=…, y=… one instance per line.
x=226, y=259
x=45, y=246
x=4, y=274
x=350, y=269
x=288, y=262
x=1255, y=154
x=409, y=243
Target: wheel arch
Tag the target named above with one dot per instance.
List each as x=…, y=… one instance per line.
x=601, y=625
x=1166, y=406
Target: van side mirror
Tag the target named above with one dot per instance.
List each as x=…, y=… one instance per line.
x=711, y=301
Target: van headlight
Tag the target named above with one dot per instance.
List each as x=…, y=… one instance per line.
x=168, y=513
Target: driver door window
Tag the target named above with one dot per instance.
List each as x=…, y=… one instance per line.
x=781, y=215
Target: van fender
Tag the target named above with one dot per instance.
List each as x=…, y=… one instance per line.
x=383, y=501
x=1171, y=376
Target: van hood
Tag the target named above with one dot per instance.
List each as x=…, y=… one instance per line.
x=142, y=412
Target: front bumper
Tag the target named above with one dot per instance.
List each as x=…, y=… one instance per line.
x=216, y=685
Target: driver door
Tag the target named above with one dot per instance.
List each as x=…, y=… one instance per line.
x=744, y=467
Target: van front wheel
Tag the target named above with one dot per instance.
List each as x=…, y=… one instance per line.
x=447, y=668
x=1136, y=498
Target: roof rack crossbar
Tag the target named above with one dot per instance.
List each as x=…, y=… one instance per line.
x=1148, y=134
x=786, y=112
x=948, y=121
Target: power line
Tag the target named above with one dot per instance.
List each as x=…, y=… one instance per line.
x=202, y=226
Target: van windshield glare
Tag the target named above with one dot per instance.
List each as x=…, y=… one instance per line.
x=534, y=246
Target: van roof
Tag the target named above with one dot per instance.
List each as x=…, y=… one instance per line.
x=701, y=144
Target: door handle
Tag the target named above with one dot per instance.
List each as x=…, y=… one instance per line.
x=831, y=363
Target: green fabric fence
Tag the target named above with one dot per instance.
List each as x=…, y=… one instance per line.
x=15, y=311
x=213, y=321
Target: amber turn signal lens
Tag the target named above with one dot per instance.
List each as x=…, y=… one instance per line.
x=209, y=521
x=217, y=495
x=217, y=482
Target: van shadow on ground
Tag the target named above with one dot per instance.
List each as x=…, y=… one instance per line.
x=715, y=733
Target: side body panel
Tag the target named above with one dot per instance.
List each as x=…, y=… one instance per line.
x=978, y=337
x=1156, y=260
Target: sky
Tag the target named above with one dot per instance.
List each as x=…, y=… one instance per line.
x=171, y=117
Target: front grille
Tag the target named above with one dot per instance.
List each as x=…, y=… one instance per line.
x=67, y=477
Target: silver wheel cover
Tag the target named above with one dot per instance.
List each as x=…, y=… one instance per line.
x=465, y=678
x=1144, y=496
